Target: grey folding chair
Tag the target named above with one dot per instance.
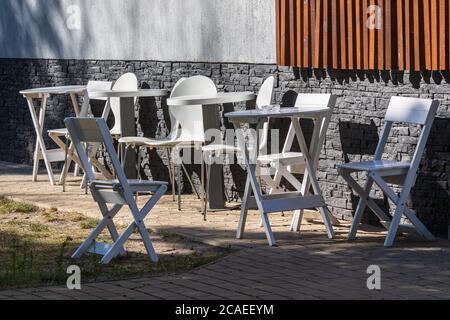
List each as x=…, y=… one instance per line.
x=118, y=193
x=382, y=172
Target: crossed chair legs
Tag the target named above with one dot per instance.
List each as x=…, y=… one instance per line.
x=109, y=252
x=391, y=223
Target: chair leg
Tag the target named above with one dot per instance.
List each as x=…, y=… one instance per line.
x=65, y=169
x=392, y=233
x=190, y=181
x=179, y=186
x=171, y=173
x=360, y=209
x=203, y=189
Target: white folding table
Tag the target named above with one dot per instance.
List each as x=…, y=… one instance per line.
x=216, y=192
x=288, y=201
x=128, y=122
x=42, y=95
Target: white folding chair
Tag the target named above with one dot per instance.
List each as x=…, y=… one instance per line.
x=273, y=167
x=118, y=193
x=214, y=150
x=381, y=172
x=57, y=135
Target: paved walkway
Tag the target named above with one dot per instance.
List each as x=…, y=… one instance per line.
x=303, y=266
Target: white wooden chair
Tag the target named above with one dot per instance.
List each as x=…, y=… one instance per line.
x=273, y=167
x=57, y=135
x=381, y=172
x=215, y=150
x=117, y=193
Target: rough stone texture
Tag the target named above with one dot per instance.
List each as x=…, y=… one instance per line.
x=352, y=136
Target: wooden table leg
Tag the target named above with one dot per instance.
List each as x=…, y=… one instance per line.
x=40, y=144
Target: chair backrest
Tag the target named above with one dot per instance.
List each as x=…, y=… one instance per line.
x=187, y=121
x=93, y=86
x=265, y=93
x=92, y=131
x=127, y=82
x=313, y=99
x=413, y=111
x=264, y=98
x=410, y=110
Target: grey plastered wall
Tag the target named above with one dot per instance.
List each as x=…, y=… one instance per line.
x=164, y=30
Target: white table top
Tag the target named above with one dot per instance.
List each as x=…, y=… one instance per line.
x=252, y=116
x=129, y=94
x=54, y=90
x=220, y=98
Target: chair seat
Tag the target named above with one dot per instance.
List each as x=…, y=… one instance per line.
x=143, y=141
x=377, y=165
x=288, y=157
x=58, y=132
x=220, y=148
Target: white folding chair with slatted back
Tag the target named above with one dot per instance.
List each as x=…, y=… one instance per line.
x=117, y=193
x=383, y=172
x=273, y=167
x=57, y=135
x=214, y=150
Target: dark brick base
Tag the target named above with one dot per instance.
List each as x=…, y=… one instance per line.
x=353, y=132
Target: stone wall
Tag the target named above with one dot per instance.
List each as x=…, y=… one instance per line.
x=352, y=136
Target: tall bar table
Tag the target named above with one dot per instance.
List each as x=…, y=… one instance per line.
x=288, y=201
x=42, y=94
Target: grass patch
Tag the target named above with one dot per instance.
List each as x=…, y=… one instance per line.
x=9, y=206
x=89, y=223
x=36, y=249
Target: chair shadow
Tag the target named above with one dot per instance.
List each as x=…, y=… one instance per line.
x=430, y=197
x=361, y=139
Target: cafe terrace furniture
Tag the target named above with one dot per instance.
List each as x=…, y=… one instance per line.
x=126, y=116
x=209, y=102
x=273, y=167
x=214, y=150
x=118, y=193
x=57, y=135
x=187, y=129
x=287, y=201
x=383, y=172
x=37, y=104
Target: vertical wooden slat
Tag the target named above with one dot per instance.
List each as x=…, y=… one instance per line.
x=358, y=27
x=299, y=28
x=442, y=36
x=400, y=39
x=334, y=26
x=306, y=32
x=350, y=31
x=325, y=35
x=427, y=34
x=408, y=35
x=317, y=34
x=365, y=34
x=292, y=39
x=343, y=35
x=379, y=48
x=417, y=60
x=372, y=34
x=388, y=35
x=283, y=33
x=434, y=35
